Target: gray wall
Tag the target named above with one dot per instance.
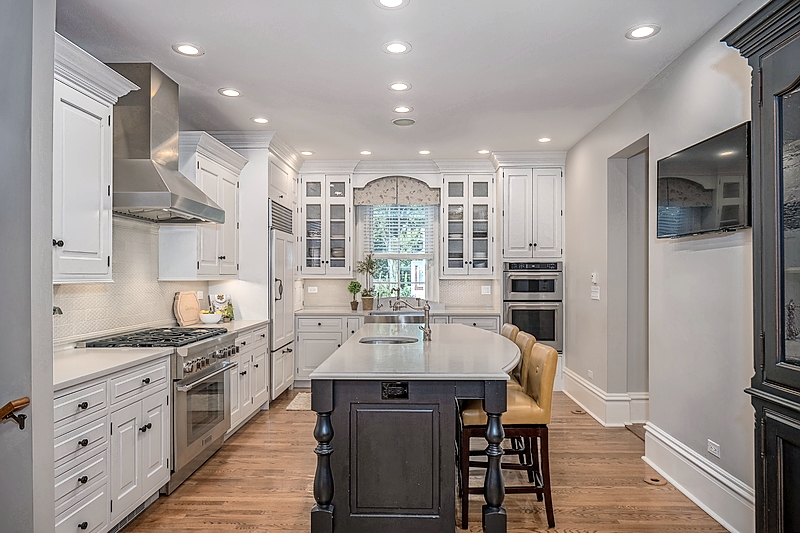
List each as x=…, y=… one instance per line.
x=26, y=360
x=636, y=192
x=700, y=290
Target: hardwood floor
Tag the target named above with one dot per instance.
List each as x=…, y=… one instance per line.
x=261, y=481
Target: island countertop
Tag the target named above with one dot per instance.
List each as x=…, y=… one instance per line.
x=457, y=352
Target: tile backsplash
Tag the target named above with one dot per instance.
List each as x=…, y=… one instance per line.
x=136, y=299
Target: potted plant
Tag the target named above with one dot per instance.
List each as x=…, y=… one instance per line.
x=353, y=289
x=367, y=267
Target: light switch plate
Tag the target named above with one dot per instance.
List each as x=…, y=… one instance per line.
x=312, y=290
x=486, y=289
x=200, y=297
x=595, y=292
x=594, y=277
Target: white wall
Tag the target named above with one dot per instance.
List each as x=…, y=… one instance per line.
x=700, y=295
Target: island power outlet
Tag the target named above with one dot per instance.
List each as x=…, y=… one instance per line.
x=713, y=448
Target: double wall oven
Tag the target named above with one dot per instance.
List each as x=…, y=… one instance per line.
x=533, y=300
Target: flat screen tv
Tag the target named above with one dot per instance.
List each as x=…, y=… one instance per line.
x=706, y=188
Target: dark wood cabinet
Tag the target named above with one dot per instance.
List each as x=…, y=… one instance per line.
x=770, y=40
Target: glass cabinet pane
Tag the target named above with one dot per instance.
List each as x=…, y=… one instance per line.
x=337, y=235
x=337, y=189
x=314, y=189
x=455, y=189
x=789, y=153
x=480, y=189
x=313, y=235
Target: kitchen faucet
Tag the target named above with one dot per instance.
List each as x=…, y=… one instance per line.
x=426, y=309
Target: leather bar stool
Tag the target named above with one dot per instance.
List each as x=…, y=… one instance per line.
x=525, y=342
x=528, y=415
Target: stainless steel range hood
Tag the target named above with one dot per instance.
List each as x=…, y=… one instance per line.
x=147, y=183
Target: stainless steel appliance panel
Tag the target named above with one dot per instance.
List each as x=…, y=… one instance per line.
x=527, y=286
x=543, y=320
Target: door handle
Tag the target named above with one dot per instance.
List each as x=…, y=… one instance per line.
x=7, y=412
x=280, y=289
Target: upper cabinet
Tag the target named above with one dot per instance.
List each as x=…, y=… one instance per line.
x=326, y=215
x=532, y=213
x=468, y=225
x=205, y=251
x=84, y=94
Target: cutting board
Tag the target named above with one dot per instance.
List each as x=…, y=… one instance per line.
x=186, y=308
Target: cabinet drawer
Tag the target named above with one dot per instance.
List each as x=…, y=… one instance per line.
x=439, y=320
x=315, y=324
x=244, y=340
x=353, y=325
x=487, y=323
x=82, y=441
x=91, y=510
x=144, y=379
x=79, y=404
x=260, y=336
x=80, y=478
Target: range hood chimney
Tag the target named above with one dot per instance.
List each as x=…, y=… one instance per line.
x=147, y=183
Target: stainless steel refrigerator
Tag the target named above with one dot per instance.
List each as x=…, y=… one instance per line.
x=281, y=272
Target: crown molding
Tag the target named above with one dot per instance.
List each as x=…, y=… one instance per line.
x=762, y=30
x=397, y=167
x=328, y=166
x=76, y=67
x=528, y=159
x=465, y=166
x=261, y=140
x=203, y=143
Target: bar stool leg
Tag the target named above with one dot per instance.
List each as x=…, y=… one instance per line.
x=548, y=497
x=464, y=470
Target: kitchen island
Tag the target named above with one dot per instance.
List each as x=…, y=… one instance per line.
x=387, y=427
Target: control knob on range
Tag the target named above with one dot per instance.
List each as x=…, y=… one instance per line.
x=188, y=367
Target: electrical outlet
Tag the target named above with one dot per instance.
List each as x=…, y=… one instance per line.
x=312, y=290
x=713, y=448
x=591, y=374
x=594, y=277
x=486, y=289
x=595, y=292
x=200, y=297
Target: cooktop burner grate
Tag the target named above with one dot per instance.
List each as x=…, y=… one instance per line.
x=157, y=337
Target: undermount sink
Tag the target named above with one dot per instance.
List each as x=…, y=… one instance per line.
x=388, y=340
x=394, y=317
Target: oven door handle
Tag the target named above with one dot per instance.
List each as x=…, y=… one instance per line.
x=193, y=384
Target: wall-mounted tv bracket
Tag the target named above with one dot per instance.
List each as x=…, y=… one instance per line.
x=7, y=412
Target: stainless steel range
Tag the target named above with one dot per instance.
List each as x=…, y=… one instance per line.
x=533, y=295
x=201, y=389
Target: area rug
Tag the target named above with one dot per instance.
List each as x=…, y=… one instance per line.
x=301, y=402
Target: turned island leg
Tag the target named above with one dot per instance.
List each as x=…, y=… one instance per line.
x=322, y=512
x=494, y=514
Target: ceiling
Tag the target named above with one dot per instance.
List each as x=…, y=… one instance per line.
x=485, y=74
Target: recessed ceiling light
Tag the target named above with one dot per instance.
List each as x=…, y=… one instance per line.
x=307, y=152
x=391, y=4
x=366, y=152
x=404, y=122
x=231, y=93
x=483, y=152
x=729, y=152
x=399, y=86
x=188, y=49
x=259, y=120
x=424, y=152
x=403, y=109
x=545, y=140
x=396, y=47
x=642, y=31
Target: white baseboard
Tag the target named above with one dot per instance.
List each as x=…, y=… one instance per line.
x=727, y=499
x=610, y=409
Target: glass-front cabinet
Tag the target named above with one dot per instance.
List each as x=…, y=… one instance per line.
x=327, y=225
x=467, y=225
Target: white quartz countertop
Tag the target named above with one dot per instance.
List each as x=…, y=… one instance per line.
x=457, y=352
x=235, y=326
x=74, y=366
x=455, y=311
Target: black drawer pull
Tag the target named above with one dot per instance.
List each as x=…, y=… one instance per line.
x=263, y=335
x=83, y=525
x=83, y=443
x=83, y=405
x=319, y=323
x=289, y=350
x=244, y=343
x=474, y=324
x=145, y=427
x=256, y=366
x=83, y=480
x=146, y=381
x=243, y=373
x=58, y=243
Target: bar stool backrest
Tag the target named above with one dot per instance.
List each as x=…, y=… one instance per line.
x=525, y=342
x=541, y=374
x=509, y=331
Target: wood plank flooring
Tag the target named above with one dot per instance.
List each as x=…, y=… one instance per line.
x=261, y=481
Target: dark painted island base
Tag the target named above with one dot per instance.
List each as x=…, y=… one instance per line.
x=386, y=455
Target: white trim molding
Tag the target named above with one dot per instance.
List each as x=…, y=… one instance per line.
x=610, y=409
x=728, y=500
x=465, y=166
x=260, y=140
x=335, y=166
x=528, y=159
x=212, y=148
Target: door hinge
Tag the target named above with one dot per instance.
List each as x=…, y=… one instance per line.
x=237, y=266
x=198, y=265
x=562, y=212
x=198, y=165
x=112, y=427
x=112, y=505
x=109, y=260
x=109, y=190
x=109, y=120
x=763, y=438
x=237, y=184
x=562, y=251
x=760, y=87
x=167, y=399
x=762, y=337
x=237, y=225
x=167, y=463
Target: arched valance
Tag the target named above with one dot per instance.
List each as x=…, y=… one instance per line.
x=399, y=190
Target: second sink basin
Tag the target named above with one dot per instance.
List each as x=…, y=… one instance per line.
x=388, y=340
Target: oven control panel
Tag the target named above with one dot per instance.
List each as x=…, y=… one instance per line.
x=556, y=266
x=192, y=364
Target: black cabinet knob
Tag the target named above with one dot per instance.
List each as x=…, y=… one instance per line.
x=243, y=373
x=83, y=525
x=146, y=381
x=58, y=243
x=83, y=405
x=319, y=323
x=535, y=245
x=83, y=443
x=255, y=365
x=83, y=480
x=244, y=343
x=222, y=258
x=530, y=244
x=289, y=350
x=145, y=427
x=263, y=335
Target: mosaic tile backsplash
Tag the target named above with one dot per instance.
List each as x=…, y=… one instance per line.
x=136, y=299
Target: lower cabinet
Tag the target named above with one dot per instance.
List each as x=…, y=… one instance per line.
x=250, y=381
x=313, y=348
x=489, y=323
x=89, y=514
x=282, y=368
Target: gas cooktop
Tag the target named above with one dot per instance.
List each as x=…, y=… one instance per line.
x=157, y=337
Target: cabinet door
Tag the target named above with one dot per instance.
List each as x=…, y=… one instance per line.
x=288, y=367
x=314, y=349
x=126, y=471
x=155, y=442
x=280, y=184
x=547, y=213
x=209, y=175
x=259, y=381
x=245, y=390
x=278, y=360
x=480, y=217
x=353, y=325
x=454, y=224
x=314, y=231
x=228, y=234
x=517, y=213
x=81, y=187
x=337, y=256
x=782, y=464
x=236, y=400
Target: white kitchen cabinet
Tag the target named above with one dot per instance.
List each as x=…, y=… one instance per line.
x=532, y=213
x=326, y=218
x=313, y=348
x=259, y=382
x=489, y=323
x=468, y=225
x=204, y=251
x=283, y=369
x=250, y=380
x=84, y=94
